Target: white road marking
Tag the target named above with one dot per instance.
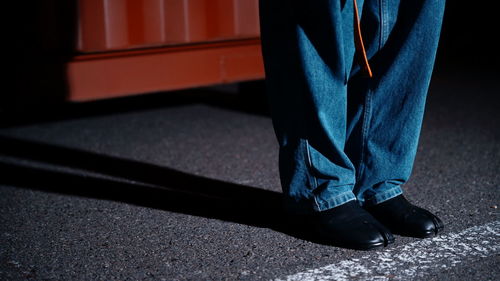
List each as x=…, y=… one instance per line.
x=413, y=260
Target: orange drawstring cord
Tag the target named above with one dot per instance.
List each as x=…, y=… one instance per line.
x=358, y=40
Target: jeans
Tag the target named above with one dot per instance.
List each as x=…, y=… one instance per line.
x=342, y=135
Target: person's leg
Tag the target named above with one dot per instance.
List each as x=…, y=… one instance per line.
x=386, y=111
x=308, y=49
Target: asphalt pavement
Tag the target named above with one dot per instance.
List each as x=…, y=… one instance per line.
x=185, y=186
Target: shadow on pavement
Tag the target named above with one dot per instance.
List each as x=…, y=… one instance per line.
x=148, y=185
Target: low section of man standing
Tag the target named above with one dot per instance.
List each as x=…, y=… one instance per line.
x=347, y=82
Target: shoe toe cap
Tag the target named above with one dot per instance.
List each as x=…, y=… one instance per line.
x=423, y=223
x=365, y=235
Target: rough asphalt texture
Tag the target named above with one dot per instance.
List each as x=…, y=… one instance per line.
x=190, y=190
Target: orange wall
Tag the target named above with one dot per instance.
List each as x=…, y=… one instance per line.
x=105, y=25
x=128, y=47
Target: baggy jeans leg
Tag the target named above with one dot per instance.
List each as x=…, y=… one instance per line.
x=386, y=111
x=308, y=49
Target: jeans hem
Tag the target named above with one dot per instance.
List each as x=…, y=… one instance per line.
x=383, y=196
x=323, y=205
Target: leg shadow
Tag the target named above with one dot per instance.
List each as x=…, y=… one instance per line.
x=140, y=184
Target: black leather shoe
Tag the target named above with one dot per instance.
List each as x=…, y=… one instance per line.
x=350, y=226
x=403, y=218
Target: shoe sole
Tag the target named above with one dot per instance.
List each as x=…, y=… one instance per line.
x=364, y=247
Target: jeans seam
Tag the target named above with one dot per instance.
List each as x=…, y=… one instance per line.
x=364, y=133
x=309, y=165
x=383, y=22
x=312, y=179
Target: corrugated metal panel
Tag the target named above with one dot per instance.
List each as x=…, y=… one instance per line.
x=124, y=24
x=95, y=76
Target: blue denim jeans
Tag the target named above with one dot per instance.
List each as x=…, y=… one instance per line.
x=344, y=136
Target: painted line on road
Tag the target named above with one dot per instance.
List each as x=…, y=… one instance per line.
x=413, y=260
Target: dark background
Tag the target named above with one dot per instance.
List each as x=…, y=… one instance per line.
x=468, y=39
